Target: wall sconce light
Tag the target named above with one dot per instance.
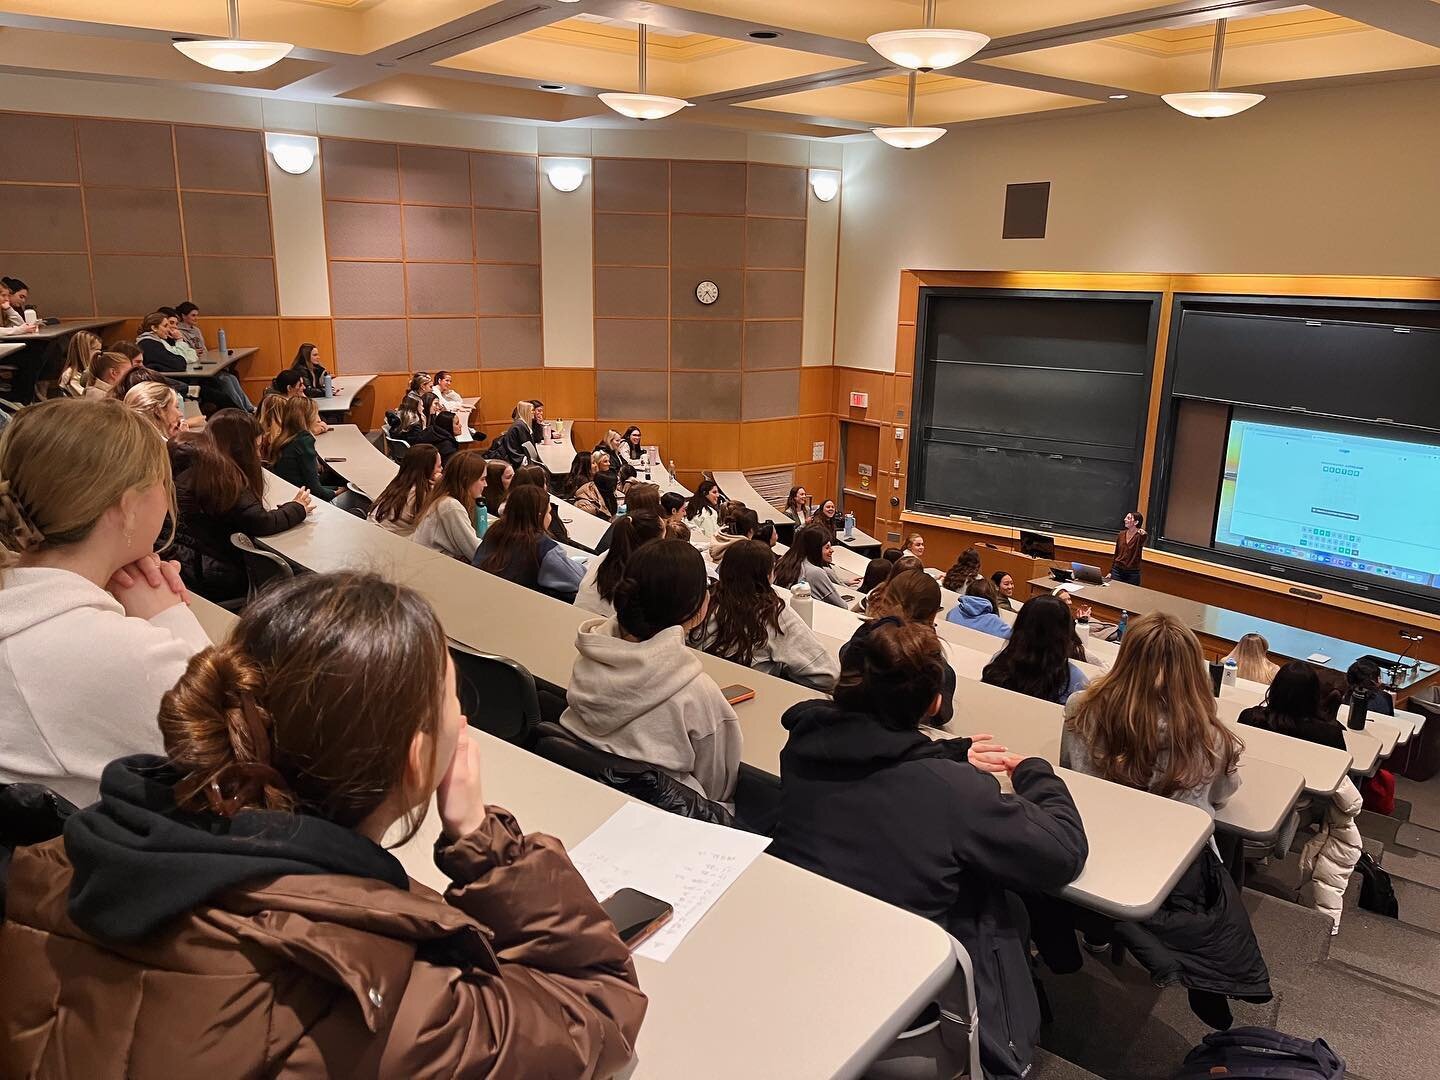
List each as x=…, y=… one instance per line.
x=825, y=185
x=295, y=154
x=564, y=177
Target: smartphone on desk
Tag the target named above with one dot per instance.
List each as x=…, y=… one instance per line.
x=636, y=915
x=735, y=693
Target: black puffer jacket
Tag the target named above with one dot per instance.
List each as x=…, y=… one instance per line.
x=912, y=822
x=514, y=446
x=209, y=563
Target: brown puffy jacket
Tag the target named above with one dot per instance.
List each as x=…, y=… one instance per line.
x=516, y=972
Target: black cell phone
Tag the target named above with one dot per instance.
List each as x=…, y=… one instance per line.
x=636, y=915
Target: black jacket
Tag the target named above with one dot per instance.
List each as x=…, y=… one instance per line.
x=438, y=435
x=299, y=463
x=314, y=377
x=511, y=446
x=1314, y=729
x=157, y=357
x=947, y=698
x=209, y=563
x=911, y=822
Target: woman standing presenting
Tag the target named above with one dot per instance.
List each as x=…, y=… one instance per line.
x=1128, y=543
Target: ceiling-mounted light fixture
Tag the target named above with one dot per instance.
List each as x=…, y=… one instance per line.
x=1213, y=104
x=928, y=49
x=908, y=137
x=232, y=53
x=825, y=185
x=643, y=106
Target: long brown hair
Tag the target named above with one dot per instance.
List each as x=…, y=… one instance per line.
x=494, y=493
x=312, y=703
x=296, y=416
x=79, y=355
x=964, y=569
x=461, y=473
x=630, y=532
x=404, y=496
x=744, y=607
x=518, y=532
x=911, y=596
x=807, y=545
x=1150, y=721
x=227, y=461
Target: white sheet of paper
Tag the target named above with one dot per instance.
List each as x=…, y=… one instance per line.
x=1073, y=587
x=688, y=864
x=1318, y=658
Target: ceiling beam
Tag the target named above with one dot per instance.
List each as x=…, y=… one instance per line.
x=1185, y=13
x=1418, y=20
x=799, y=84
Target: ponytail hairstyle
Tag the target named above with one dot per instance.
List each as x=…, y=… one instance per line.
x=405, y=495
x=462, y=472
x=1252, y=659
x=893, y=673
x=630, y=533
x=664, y=586
x=744, y=608
x=106, y=367
x=519, y=532
x=64, y=463
x=912, y=596
x=420, y=383
x=79, y=355
x=966, y=567
x=877, y=572
x=312, y=704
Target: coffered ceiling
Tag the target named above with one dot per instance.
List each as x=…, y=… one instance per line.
x=795, y=66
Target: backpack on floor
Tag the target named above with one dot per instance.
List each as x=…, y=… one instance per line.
x=1256, y=1053
x=1377, y=892
x=1378, y=792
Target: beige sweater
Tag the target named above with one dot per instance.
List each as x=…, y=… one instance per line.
x=449, y=528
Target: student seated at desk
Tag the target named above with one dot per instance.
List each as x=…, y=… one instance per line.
x=1036, y=659
x=1150, y=723
x=613, y=448
x=750, y=625
x=910, y=596
x=587, y=496
x=447, y=521
x=1294, y=706
x=963, y=572
x=1005, y=588
x=221, y=493
x=518, y=548
x=442, y=434
x=444, y=389
x=914, y=545
x=238, y=897
x=157, y=403
x=539, y=476
x=80, y=353
x=409, y=421
x=159, y=341
x=499, y=475
x=292, y=455
x=93, y=627
x=978, y=609
x=829, y=518
x=398, y=508
x=637, y=690
x=877, y=572
x=809, y=559
x=1252, y=659
x=307, y=362
x=12, y=317
x=640, y=498
x=739, y=523
x=868, y=800
x=106, y=370
x=702, y=513
x=1363, y=676
x=605, y=572
x=517, y=444
x=630, y=445
x=797, y=505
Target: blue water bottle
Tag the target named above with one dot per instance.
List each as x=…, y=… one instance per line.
x=849, y=526
x=1120, y=628
x=482, y=519
x=221, y=343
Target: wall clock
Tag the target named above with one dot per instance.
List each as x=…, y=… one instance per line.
x=707, y=292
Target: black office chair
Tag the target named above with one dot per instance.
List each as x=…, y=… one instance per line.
x=395, y=448
x=351, y=501
x=261, y=566
x=497, y=695
x=635, y=778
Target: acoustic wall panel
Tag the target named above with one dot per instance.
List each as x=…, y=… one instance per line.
x=632, y=185
x=770, y=394
x=772, y=344
x=704, y=395
x=705, y=345
x=234, y=285
x=507, y=236
x=707, y=187
x=357, y=230
x=437, y=233
x=444, y=343
x=126, y=153
x=370, y=346
x=135, y=285
x=631, y=292
x=439, y=288
x=39, y=149
x=360, y=170
x=504, y=181
x=221, y=159
x=632, y=240
x=775, y=242
x=510, y=343
x=685, y=303
x=507, y=290
x=634, y=344
x=430, y=174
x=374, y=289
x=775, y=294
x=61, y=282
x=134, y=221
x=218, y=224
x=703, y=240
x=632, y=394
x=42, y=219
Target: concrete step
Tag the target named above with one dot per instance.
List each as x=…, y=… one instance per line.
x=1417, y=838
x=1378, y=826
x=1049, y=1067
x=1416, y=866
x=1392, y=951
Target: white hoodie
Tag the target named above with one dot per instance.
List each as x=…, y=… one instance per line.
x=651, y=701
x=80, y=681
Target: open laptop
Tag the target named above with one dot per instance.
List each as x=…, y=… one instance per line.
x=1090, y=575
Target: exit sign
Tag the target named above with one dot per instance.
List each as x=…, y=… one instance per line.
x=859, y=400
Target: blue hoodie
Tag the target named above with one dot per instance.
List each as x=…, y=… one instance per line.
x=976, y=613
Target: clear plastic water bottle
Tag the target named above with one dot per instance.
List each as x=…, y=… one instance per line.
x=482, y=518
x=1120, y=628
x=849, y=526
x=620, y=506
x=802, y=602
x=221, y=343
x=1232, y=671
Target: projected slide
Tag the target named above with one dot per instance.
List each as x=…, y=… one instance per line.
x=1358, y=505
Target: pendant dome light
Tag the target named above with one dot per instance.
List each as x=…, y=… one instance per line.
x=1213, y=104
x=643, y=106
x=233, y=53
x=927, y=49
x=909, y=137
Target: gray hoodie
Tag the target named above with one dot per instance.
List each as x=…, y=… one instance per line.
x=651, y=701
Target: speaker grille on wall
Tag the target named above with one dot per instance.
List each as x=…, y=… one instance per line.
x=1027, y=206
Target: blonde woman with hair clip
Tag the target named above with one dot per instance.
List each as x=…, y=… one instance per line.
x=158, y=404
x=1252, y=659
x=84, y=490
x=239, y=898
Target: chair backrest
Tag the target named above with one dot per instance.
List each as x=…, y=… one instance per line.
x=395, y=448
x=261, y=567
x=497, y=695
x=636, y=778
x=351, y=501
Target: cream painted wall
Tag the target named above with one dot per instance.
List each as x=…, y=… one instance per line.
x=1339, y=181
x=297, y=220
x=567, y=268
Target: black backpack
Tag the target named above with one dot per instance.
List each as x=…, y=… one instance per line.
x=1257, y=1053
x=1377, y=892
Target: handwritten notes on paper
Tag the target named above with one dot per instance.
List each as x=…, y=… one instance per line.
x=688, y=864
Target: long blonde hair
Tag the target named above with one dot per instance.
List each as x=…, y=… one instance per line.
x=297, y=416
x=1150, y=721
x=272, y=408
x=79, y=355
x=64, y=463
x=148, y=399
x=525, y=411
x=1252, y=659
